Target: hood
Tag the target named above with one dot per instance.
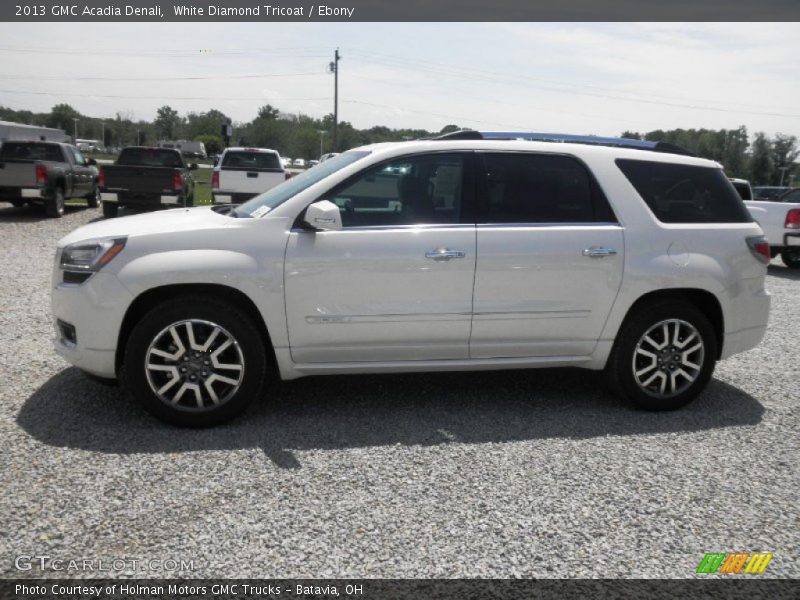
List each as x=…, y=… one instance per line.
x=161, y=221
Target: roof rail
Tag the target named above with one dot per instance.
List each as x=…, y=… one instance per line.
x=468, y=134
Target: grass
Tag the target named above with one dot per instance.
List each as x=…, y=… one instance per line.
x=202, y=186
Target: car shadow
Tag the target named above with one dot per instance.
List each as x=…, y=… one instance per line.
x=30, y=214
x=338, y=412
x=783, y=272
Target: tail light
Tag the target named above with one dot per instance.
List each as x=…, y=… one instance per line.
x=792, y=219
x=759, y=247
x=101, y=179
x=215, y=180
x=177, y=181
x=41, y=175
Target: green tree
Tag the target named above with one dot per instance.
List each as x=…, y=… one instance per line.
x=268, y=112
x=784, y=153
x=761, y=165
x=167, y=123
x=213, y=143
x=61, y=117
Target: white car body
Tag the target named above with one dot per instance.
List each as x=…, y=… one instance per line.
x=781, y=229
x=239, y=180
x=334, y=299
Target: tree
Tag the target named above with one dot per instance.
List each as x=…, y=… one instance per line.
x=167, y=123
x=213, y=143
x=268, y=112
x=761, y=165
x=784, y=152
x=207, y=123
x=61, y=117
x=449, y=129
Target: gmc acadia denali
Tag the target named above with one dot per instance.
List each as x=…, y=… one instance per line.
x=467, y=252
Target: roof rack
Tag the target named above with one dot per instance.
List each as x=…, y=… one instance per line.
x=467, y=134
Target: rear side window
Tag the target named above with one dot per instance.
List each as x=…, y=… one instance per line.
x=685, y=193
x=252, y=161
x=46, y=152
x=540, y=188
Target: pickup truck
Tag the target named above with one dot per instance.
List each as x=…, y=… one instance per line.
x=46, y=173
x=242, y=173
x=780, y=220
x=146, y=178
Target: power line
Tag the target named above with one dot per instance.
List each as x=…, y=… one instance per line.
x=198, y=78
x=162, y=97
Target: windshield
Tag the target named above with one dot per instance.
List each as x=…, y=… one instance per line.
x=261, y=205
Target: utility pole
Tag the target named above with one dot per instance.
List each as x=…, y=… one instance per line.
x=334, y=68
x=321, y=137
x=783, y=173
x=75, y=120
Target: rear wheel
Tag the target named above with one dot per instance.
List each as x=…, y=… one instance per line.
x=791, y=258
x=93, y=199
x=195, y=363
x=54, y=204
x=110, y=209
x=664, y=355
x=18, y=203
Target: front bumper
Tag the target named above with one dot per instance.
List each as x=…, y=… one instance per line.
x=95, y=309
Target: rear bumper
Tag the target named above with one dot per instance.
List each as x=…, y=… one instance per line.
x=141, y=200
x=7, y=193
x=791, y=239
x=746, y=322
x=231, y=197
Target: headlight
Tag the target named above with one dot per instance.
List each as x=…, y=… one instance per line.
x=91, y=256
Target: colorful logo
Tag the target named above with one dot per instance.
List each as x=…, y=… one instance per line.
x=734, y=563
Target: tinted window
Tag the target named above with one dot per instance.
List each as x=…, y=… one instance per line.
x=150, y=157
x=416, y=190
x=793, y=196
x=684, y=193
x=251, y=161
x=540, y=188
x=743, y=189
x=48, y=152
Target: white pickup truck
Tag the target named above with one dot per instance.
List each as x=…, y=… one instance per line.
x=780, y=220
x=243, y=173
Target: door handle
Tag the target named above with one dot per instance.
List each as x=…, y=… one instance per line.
x=598, y=252
x=444, y=254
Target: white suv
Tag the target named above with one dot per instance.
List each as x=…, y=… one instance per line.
x=474, y=252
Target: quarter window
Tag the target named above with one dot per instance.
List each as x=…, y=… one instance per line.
x=540, y=188
x=416, y=190
x=679, y=193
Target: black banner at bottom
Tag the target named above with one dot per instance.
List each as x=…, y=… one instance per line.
x=734, y=588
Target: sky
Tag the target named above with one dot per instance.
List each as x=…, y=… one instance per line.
x=583, y=78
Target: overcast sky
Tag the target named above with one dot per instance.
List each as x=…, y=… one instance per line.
x=575, y=78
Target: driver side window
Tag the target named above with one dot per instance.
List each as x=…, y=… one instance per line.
x=79, y=160
x=416, y=190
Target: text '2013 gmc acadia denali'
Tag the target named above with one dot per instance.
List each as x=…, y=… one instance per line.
x=473, y=251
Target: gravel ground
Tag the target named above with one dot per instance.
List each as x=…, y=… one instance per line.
x=529, y=474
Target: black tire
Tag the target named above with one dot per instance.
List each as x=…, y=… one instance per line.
x=93, y=199
x=110, y=210
x=54, y=204
x=791, y=258
x=210, y=312
x=18, y=203
x=624, y=359
x=190, y=200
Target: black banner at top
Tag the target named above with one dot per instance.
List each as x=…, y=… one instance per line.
x=275, y=11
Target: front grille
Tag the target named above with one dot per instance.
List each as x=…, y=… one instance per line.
x=67, y=332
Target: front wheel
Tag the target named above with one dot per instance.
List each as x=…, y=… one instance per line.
x=791, y=258
x=195, y=363
x=54, y=204
x=664, y=356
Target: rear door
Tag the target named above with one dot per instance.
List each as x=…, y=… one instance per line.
x=550, y=257
x=395, y=283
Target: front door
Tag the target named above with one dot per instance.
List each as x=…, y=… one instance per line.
x=395, y=283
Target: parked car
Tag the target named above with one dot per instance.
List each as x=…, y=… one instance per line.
x=780, y=220
x=46, y=173
x=286, y=162
x=313, y=163
x=327, y=156
x=299, y=163
x=769, y=192
x=245, y=172
x=146, y=178
x=188, y=149
x=477, y=253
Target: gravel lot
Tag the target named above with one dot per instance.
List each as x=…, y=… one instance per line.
x=530, y=474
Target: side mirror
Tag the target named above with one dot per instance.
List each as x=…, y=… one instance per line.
x=91, y=162
x=324, y=216
x=193, y=167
